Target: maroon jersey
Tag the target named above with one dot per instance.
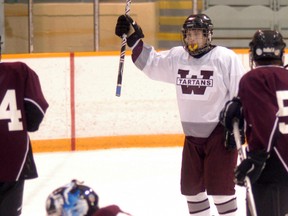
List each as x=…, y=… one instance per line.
x=22, y=108
x=112, y=210
x=264, y=95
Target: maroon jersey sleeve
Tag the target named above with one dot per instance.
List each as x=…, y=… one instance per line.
x=111, y=210
x=259, y=108
x=18, y=83
x=35, y=104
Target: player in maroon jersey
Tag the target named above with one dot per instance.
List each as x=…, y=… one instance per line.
x=263, y=102
x=22, y=108
x=76, y=199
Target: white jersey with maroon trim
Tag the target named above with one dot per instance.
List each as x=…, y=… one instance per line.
x=203, y=85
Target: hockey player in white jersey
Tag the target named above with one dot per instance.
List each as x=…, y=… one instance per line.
x=206, y=77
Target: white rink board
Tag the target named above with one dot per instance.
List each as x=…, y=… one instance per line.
x=145, y=106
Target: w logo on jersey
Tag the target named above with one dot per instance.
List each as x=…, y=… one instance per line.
x=195, y=84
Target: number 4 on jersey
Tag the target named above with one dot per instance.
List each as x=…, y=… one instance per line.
x=8, y=110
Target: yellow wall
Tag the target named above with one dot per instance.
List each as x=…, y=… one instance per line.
x=67, y=27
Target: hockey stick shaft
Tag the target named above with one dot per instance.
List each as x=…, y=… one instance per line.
x=242, y=155
x=122, y=55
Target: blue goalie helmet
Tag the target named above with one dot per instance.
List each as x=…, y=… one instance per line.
x=73, y=199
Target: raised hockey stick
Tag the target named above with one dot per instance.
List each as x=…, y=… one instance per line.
x=242, y=156
x=122, y=55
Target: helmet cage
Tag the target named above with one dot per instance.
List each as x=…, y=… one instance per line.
x=200, y=50
x=194, y=22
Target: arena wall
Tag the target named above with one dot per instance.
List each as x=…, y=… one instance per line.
x=66, y=27
x=84, y=112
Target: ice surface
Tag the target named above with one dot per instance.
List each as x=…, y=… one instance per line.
x=142, y=181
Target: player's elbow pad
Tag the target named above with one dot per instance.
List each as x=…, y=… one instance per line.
x=34, y=116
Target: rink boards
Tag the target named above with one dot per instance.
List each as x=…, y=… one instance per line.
x=84, y=112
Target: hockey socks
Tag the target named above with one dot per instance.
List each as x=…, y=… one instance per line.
x=226, y=205
x=198, y=205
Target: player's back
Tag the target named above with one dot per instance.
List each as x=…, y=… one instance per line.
x=17, y=84
x=280, y=81
x=20, y=84
x=12, y=89
x=270, y=83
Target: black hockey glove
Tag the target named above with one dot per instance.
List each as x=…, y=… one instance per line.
x=230, y=143
x=251, y=167
x=123, y=26
x=232, y=112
